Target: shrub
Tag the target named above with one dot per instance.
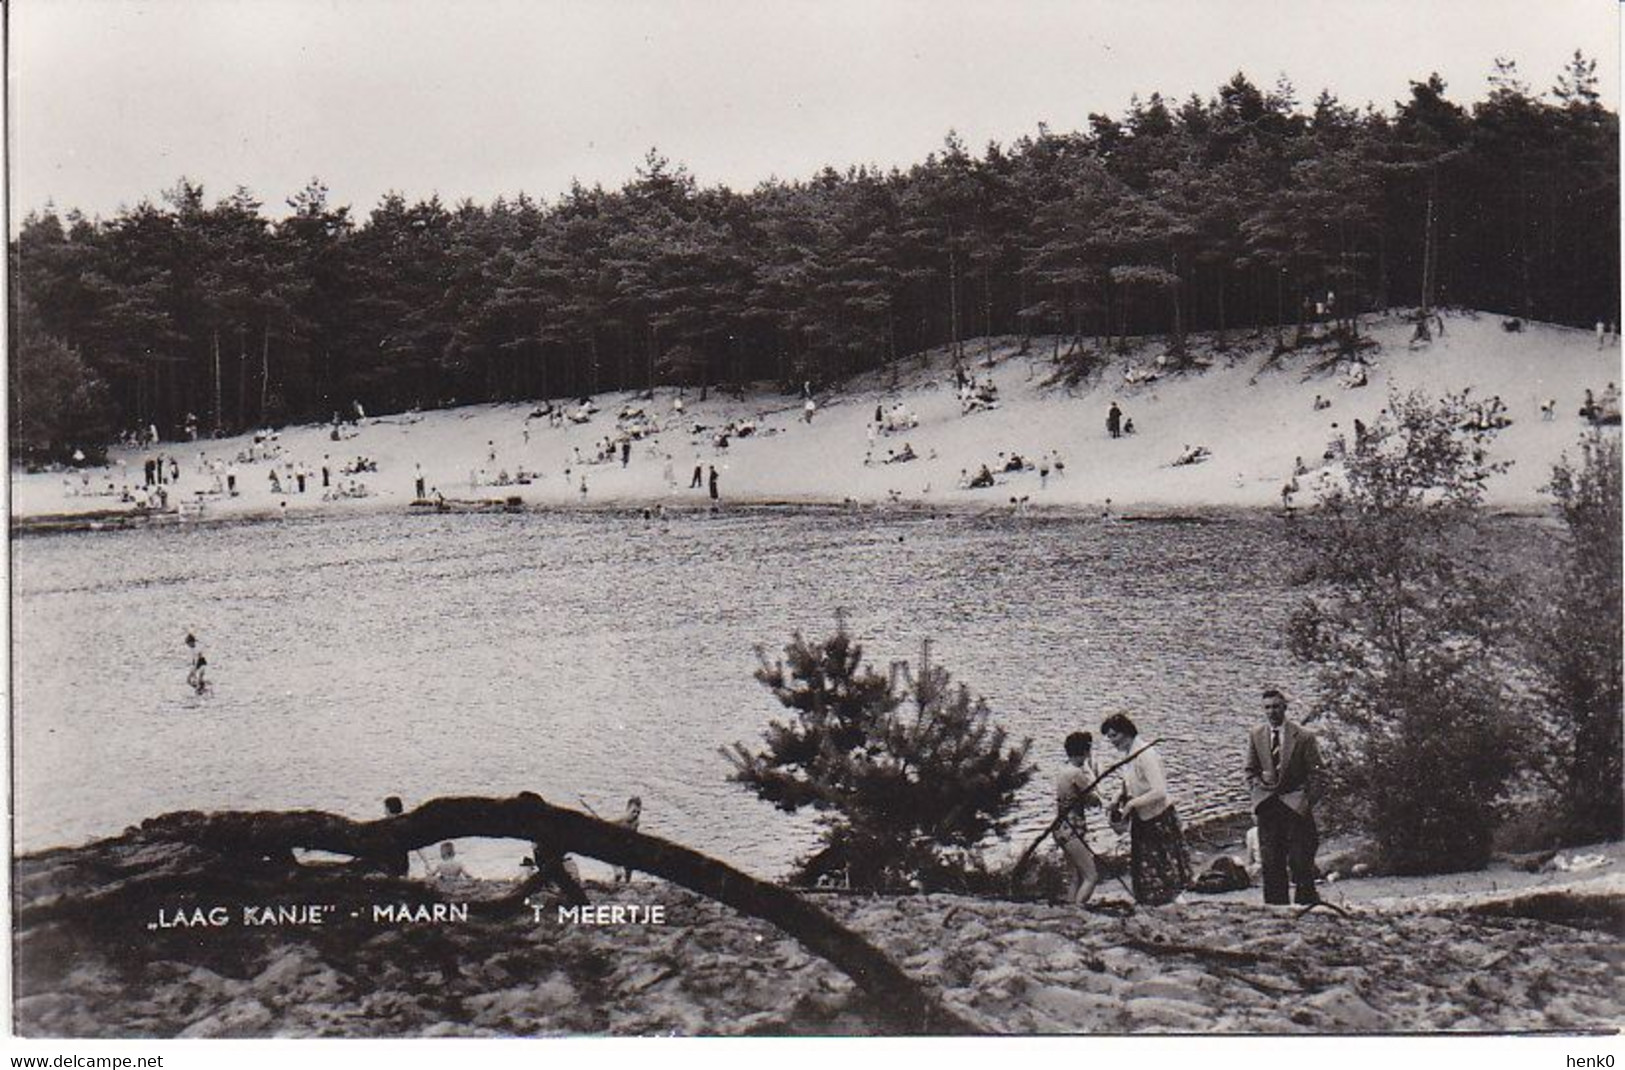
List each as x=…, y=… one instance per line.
x=905, y=796
x=1406, y=624
x=1577, y=649
x=58, y=403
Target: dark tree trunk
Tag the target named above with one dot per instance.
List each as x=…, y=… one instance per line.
x=1179, y=309
x=242, y=377
x=265, y=371
x=219, y=416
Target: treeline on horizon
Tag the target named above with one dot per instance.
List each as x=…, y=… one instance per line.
x=1237, y=212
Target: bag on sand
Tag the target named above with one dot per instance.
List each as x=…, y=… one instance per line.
x=1223, y=874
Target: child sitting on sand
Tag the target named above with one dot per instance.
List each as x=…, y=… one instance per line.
x=449, y=871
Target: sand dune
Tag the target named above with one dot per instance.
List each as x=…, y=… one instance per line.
x=1253, y=414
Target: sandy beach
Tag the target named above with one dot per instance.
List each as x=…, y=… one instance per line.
x=1254, y=414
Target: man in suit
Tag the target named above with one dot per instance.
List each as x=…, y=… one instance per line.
x=1283, y=777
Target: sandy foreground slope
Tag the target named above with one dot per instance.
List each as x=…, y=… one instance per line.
x=1254, y=415
x=1499, y=950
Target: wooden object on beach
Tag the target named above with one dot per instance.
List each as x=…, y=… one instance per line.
x=92, y=520
x=513, y=503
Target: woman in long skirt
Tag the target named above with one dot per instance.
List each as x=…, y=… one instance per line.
x=1160, y=863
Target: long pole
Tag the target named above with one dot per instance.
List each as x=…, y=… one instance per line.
x=1118, y=877
x=1015, y=873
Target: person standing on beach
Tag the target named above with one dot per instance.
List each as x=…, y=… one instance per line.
x=1157, y=856
x=419, y=480
x=629, y=820
x=327, y=471
x=1114, y=421
x=397, y=863
x=626, y=452
x=1283, y=773
x=699, y=474
x=1074, y=793
x=231, y=480
x=713, y=481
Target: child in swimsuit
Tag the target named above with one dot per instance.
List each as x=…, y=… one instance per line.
x=1074, y=793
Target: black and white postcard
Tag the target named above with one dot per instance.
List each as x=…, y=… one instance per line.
x=792, y=519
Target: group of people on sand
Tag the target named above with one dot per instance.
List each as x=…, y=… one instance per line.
x=1283, y=775
x=137, y=437
x=449, y=872
x=895, y=456
x=704, y=475
x=1601, y=410
x=897, y=418
x=985, y=476
x=975, y=396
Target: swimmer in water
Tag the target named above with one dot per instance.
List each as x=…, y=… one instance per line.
x=196, y=677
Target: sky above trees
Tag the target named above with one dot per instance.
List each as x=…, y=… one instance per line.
x=112, y=101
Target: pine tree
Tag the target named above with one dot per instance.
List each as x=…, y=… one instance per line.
x=909, y=781
x=314, y=245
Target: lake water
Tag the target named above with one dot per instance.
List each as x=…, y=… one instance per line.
x=599, y=656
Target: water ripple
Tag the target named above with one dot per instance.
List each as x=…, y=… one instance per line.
x=602, y=656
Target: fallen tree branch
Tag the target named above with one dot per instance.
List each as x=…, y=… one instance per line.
x=1214, y=954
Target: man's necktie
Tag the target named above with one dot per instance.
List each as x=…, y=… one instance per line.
x=1275, y=747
